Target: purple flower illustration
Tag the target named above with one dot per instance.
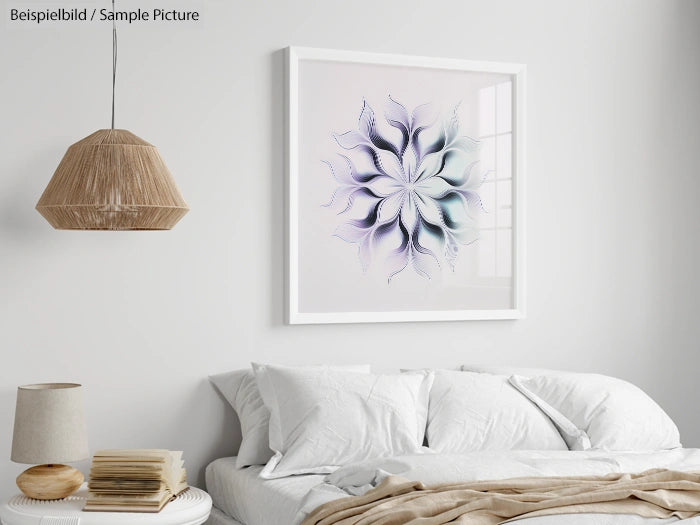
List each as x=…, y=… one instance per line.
x=408, y=195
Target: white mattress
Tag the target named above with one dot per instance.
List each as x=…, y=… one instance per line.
x=244, y=496
x=217, y=517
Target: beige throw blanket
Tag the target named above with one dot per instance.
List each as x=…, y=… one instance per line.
x=657, y=493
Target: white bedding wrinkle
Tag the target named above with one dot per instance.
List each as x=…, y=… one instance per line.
x=323, y=418
x=472, y=412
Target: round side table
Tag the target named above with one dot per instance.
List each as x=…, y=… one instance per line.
x=189, y=508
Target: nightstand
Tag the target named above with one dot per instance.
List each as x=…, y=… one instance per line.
x=189, y=508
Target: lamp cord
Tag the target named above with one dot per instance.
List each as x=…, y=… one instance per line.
x=114, y=59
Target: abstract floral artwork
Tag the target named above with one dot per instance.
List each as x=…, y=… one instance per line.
x=405, y=188
x=419, y=190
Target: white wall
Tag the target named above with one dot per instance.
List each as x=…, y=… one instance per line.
x=141, y=319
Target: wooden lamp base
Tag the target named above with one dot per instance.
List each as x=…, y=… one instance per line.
x=47, y=482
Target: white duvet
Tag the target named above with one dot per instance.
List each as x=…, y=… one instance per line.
x=431, y=469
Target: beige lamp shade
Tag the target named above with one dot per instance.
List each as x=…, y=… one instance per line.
x=112, y=180
x=49, y=424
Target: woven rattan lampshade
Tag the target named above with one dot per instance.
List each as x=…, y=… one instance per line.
x=112, y=180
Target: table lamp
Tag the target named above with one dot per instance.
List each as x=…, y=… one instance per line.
x=49, y=430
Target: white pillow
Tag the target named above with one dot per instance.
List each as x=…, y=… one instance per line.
x=574, y=437
x=471, y=412
x=240, y=389
x=321, y=419
x=512, y=370
x=615, y=414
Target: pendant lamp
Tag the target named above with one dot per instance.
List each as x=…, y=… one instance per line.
x=112, y=180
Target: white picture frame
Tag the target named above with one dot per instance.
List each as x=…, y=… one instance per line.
x=304, y=281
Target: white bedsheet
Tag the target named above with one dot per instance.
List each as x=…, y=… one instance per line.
x=243, y=495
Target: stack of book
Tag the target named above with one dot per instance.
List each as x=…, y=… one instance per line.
x=136, y=480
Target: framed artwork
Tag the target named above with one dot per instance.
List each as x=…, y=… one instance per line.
x=405, y=188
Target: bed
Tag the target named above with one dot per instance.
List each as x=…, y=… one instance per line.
x=310, y=440
x=243, y=495
x=240, y=496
